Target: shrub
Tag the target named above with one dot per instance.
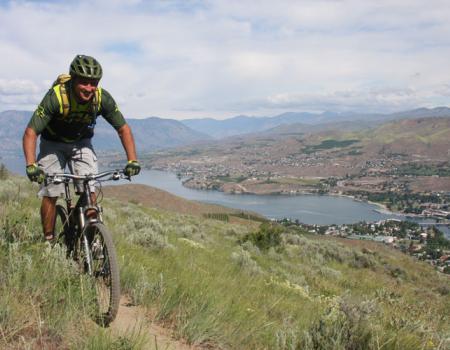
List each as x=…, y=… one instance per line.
x=4, y=174
x=268, y=235
x=362, y=261
x=345, y=325
x=147, y=232
x=217, y=216
x=244, y=260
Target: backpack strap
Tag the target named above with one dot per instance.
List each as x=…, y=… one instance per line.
x=59, y=87
x=97, y=101
x=64, y=100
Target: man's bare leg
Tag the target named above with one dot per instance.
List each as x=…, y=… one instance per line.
x=48, y=216
x=91, y=213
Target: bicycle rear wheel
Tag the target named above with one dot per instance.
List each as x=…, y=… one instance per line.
x=105, y=273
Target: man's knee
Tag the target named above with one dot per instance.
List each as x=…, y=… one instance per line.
x=49, y=201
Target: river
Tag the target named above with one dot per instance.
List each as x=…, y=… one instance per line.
x=309, y=209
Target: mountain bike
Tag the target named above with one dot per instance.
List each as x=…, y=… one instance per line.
x=88, y=242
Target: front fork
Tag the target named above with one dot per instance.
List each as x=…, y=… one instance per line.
x=87, y=253
x=86, y=241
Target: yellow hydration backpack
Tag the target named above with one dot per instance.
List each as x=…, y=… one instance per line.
x=61, y=93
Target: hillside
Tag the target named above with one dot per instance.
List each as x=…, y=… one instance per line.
x=427, y=138
x=156, y=198
x=150, y=133
x=218, y=285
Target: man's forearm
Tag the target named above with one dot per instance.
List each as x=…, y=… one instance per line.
x=126, y=137
x=29, y=146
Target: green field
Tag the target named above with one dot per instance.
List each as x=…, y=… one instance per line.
x=329, y=144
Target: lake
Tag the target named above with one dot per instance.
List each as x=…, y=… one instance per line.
x=309, y=209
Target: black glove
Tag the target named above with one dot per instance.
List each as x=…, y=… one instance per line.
x=133, y=168
x=35, y=173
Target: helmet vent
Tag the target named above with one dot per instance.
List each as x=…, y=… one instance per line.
x=86, y=67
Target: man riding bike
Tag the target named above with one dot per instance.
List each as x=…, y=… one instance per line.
x=65, y=119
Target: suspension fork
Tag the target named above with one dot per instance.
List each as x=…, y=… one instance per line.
x=85, y=202
x=68, y=198
x=87, y=251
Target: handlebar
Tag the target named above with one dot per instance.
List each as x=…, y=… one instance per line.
x=59, y=178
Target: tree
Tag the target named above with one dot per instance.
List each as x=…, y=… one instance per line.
x=3, y=172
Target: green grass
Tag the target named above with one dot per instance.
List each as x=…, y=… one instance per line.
x=220, y=285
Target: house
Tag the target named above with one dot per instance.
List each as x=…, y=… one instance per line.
x=389, y=239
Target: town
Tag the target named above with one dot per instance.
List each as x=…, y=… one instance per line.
x=424, y=242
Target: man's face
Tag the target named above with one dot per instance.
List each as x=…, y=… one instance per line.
x=85, y=89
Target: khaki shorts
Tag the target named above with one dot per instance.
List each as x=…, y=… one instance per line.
x=53, y=157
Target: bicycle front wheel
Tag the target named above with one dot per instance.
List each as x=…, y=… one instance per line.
x=105, y=272
x=62, y=227
x=61, y=222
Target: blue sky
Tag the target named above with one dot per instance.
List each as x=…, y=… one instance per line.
x=190, y=59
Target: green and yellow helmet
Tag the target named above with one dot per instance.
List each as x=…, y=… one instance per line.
x=86, y=67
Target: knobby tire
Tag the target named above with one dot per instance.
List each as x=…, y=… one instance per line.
x=64, y=231
x=105, y=272
x=61, y=224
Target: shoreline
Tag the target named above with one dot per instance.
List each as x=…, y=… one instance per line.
x=381, y=208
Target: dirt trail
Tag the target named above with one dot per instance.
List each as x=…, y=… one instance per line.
x=133, y=320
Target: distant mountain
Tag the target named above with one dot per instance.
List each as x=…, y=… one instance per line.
x=301, y=128
x=13, y=125
x=244, y=125
x=150, y=134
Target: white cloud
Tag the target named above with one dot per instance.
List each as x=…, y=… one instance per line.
x=191, y=59
x=18, y=87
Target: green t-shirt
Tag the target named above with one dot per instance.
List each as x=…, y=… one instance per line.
x=79, y=124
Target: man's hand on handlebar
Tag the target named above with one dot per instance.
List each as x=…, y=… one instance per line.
x=35, y=173
x=132, y=168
